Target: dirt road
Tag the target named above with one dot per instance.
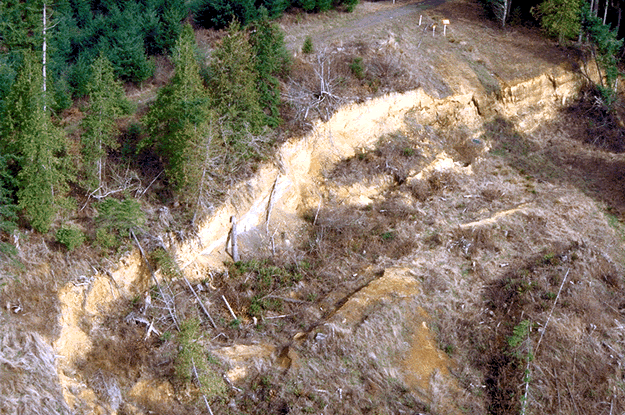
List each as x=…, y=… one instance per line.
x=381, y=17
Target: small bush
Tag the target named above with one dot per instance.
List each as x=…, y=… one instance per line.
x=192, y=363
x=163, y=260
x=358, y=70
x=120, y=216
x=351, y=5
x=71, y=237
x=307, y=47
x=106, y=239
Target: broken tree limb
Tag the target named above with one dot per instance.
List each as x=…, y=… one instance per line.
x=167, y=300
x=233, y=240
x=552, y=308
x=234, y=316
x=199, y=383
x=200, y=302
x=270, y=206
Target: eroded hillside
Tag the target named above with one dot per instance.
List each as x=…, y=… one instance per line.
x=455, y=248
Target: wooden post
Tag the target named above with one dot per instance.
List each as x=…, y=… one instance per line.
x=233, y=240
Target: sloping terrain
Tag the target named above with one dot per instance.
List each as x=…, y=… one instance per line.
x=455, y=248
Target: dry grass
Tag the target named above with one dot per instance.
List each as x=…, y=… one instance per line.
x=29, y=383
x=342, y=370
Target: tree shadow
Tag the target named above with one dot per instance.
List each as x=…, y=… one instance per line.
x=598, y=173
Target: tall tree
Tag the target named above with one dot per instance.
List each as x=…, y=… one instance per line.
x=560, y=18
x=271, y=60
x=8, y=215
x=179, y=122
x=107, y=102
x=238, y=102
x=605, y=47
x=218, y=14
x=36, y=143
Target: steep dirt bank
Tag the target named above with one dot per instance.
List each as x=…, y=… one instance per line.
x=270, y=210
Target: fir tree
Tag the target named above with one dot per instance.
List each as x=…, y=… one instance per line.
x=218, y=14
x=8, y=215
x=560, y=18
x=107, y=102
x=272, y=60
x=28, y=133
x=20, y=24
x=233, y=88
x=179, y=122
x=275, y=8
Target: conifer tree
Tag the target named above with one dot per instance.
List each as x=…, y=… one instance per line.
x=20, y=24
x=272, y=60
x=29, y=135
x=179, y=122
x=560, y=18
x=605, y=47
x=218, y=14
x=8, y=217
x=107, y=102
x=233, y=87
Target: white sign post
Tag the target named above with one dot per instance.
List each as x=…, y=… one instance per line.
x=420, y=17
x=445, y=23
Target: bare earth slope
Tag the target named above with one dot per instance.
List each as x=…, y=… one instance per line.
x=456, y=248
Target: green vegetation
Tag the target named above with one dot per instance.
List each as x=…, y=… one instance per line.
x=605, y=49
x=271, y=61
x=179, y=122
x=591, y=25
x=107, y=102
x=197, y=129
x=357, y=68
x=307, y=47
x=119, y=217
x=126, y=32
x=560, y=18
x=264, y=278
x=192, y=362
x=35, y=146
x=218, y=14
x=164, y=261
x=237, y=103
x=8, y=216
x=70, y=236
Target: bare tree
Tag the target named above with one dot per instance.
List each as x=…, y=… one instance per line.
x=317, y=96
x=502, y=8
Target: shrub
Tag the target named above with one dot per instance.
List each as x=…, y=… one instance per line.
x=71, y=237
x=307, y=47
x=106, y=239
x=193, y=364
x=358, y=70
x=351, y=5
x=163, y=260
x=120, y=216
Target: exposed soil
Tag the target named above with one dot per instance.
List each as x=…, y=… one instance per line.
x=437, y=244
